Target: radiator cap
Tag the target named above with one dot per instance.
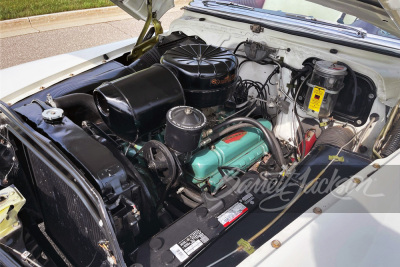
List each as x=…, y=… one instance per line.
x=53, y=115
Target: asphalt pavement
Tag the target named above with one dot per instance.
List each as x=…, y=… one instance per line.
x=29, y=47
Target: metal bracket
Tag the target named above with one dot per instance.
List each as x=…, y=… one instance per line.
x=256, y=28
x=25, y=255
x=143, y=45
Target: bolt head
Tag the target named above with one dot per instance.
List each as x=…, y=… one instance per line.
x=376, y=165
x=317, y=210
x=276, y=243
x=152, y=165
x=188, y=111
x=356, y=180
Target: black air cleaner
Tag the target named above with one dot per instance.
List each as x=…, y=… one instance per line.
x=208, y=74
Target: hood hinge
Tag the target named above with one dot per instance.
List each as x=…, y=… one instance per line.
x=145, y=42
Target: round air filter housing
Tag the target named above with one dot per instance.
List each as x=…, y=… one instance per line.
x=208, y=74
x=184, y=127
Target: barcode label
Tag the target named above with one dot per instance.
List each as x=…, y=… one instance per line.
x=231, y=214
x=189, y=245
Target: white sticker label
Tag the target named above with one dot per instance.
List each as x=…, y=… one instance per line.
x=189, y=245
x=231, y=214
x=179, y=253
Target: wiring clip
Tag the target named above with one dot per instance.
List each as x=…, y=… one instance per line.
x=246, y=246
x=336, y=158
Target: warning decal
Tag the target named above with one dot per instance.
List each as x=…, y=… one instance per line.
x=316, y=98
x=190, y=244
x=231, y=214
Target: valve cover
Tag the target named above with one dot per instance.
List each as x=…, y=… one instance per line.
x=240, y=149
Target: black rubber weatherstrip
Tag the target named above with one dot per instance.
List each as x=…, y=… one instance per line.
x=308, y=35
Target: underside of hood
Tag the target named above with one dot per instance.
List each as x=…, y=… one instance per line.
x=138, y=8
x=384, y=14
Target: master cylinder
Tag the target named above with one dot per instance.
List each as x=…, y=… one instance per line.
x=323, y=88
x=240, y=149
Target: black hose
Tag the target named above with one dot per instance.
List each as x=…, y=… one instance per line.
x=307, y=68
x=41, y=104
x=303, y=153
x=79, y=107
x=303, y=134
x=275, y=71
x=269, y=136
x=237, y=47
x=94, y=129
x=263, y=62
x=188, y=202
x=285, y=65
x=231, y=129
x=147, y=60
x=192, y=195
x=173, y=210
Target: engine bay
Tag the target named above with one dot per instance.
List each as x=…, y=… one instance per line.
x=171, y=141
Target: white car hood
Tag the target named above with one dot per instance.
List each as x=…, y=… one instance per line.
x=138, y=8
x=384, y=14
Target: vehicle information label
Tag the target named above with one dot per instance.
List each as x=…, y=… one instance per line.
x=190, y=244
x=316, y=98
x=231, y=214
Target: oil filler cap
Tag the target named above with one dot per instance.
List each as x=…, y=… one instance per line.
x=53, y=115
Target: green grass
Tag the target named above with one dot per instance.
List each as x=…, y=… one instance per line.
x=11, y=9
